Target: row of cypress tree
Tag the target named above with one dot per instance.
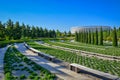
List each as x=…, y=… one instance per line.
x=95, y=37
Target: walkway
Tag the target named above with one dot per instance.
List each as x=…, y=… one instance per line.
x=2, y=52
x=60, y=71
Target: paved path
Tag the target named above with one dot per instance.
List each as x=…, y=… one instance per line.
x=60, y=71
x=2, y=52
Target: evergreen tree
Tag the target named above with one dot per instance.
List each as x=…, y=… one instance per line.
x=54, y=34
x=33, y=32
x=86, y=37
x=37, y=32
x=46, y=32
x=80, y=36
x=23, y=30
x=2, y=31
x=41, y=32
x=96, y=42
x=101, y=36
x=65, y=33
x=89, y=37
x=28, y=32
x=9, y=30
x=114, y=34
x=16, y=31
x=119, y=32
x=93, y=40
x=76, y=36
x=69, y=34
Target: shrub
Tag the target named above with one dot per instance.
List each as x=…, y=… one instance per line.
x=8, y=76
x=22, y=76
x=31, y=77
x=20, y=64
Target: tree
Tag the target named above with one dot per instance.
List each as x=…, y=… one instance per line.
x=93, y=40
x=54, y=34
x=41, y=32
x=33, y=32
x=118, y=32
x=89, y=37
x=101, y=36
x=2, y=31
x=46, y=32
x=96, y=42
x=16, y=31
x=28, y=32
x=69, y=34
x=65, y=33
x=9, y=30
x=37, y=32
x=86, y=37
x=114, y=34
x=76, y=36
x=23, y=30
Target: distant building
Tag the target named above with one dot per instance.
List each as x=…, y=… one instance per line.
x=87, y=28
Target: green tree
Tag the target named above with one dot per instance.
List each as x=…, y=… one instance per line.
x=114, y=34
x=2, y=31
x=41, y=32
x=33, y=32
x=69, y=34
x=37, y=32
x=23, y=31
x=89, y=37
x=93, y=40
x=76, y=36
x=9, y=30
x=16, y=31
x=101, y=36
x=65, y=33
x=86, y=37
x=46, y=32
x=28, y=31
x=96, y=40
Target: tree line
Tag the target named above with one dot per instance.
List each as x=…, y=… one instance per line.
x=97, y=37
x=15, y=31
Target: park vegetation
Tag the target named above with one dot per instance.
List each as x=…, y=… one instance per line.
x=16, y=31
x=99, y=37
x=107, y=66
x=18, y=67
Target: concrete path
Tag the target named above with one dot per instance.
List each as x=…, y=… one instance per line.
x=58, y=70
x=2, y=52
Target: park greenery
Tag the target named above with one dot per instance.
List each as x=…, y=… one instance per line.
x=15, y=31
x=113, y=51
x=107, y=66
x=98, y=37
x=102, y=42
x=19, y=67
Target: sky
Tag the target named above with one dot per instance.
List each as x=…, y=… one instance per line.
x=62, y=14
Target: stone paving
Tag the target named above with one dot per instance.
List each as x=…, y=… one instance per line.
x=2, y=52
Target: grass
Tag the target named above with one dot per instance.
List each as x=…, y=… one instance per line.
x=112, y=67
x=114, y=51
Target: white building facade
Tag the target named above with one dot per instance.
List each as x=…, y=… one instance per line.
x=87, y=28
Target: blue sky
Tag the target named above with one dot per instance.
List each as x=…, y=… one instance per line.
x=61, y=14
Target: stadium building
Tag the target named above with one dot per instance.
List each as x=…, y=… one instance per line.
x=87, y=28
